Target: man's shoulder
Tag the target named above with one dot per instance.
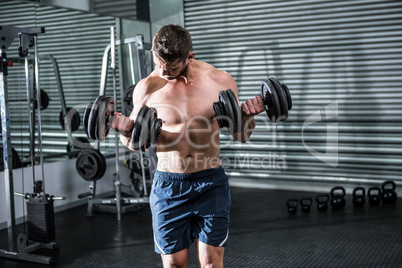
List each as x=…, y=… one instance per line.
x=213, y=72
x=150, y=83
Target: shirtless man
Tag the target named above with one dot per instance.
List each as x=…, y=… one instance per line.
x=190, y=198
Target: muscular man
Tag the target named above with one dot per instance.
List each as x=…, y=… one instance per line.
x=190, y=198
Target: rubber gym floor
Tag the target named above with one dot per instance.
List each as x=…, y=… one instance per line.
x=262, y=234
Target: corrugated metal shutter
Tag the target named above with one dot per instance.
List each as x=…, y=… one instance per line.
x=77, y=41
x=119, y=8
x=343, y=56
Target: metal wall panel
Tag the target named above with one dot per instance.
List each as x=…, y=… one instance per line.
x=77, y=41
x=119, y=8
x=342, y=61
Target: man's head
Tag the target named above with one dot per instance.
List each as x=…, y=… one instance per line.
x=171, y=48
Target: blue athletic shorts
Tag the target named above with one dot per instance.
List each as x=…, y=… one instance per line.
x=188, y=206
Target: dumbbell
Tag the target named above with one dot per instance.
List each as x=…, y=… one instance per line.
x=277, y=102
x=144, y=131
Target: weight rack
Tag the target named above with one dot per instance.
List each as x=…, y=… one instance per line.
x=120, y=204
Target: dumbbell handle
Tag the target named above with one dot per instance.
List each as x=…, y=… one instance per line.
x=122, y=124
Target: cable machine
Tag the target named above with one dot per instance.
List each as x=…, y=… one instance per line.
x=41, y=226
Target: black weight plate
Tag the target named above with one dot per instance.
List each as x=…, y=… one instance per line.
x=145, y=136
x=87, y=165
x=93, y=118
x=288, y=96
x=73, y=118
x=218, y=113
x=223, y=111
x=135, y=135
x=270, y=100
x=106, y=108
x=85, y=118
x=282, y=99
x=15, y=158
x=229, y=111
x=238, y=125
x=44, y=100
x=102, y=163
x=156, y=125
x=128, y=97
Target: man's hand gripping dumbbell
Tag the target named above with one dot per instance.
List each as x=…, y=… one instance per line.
x=99, y=117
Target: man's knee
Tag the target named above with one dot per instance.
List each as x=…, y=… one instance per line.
x=176, y=260
x=210, y=256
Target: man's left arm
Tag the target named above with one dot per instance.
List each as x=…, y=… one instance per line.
x=249, y=109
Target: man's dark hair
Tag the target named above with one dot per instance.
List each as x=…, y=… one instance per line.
x=171, y=43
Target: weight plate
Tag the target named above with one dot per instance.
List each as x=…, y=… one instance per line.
x=87, y=165
x=106, y=108
x=229, y=111
x=135, y=135
x=270, y=100
x=15, y=158
x=288, y=96
x=156, y=125
x=21, y=241
x=73, y=118
x=218, y=113
x=223, y=116
x=44, y=100
x=128, y=97
x=102, y=163
x=85, y=118
x=145, y=136
x=283, y=102
x=238, y=125
x=93, y=118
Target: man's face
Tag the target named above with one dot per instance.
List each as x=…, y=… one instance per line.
x=170, y=70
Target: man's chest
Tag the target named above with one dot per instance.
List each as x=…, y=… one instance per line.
x=187, y=104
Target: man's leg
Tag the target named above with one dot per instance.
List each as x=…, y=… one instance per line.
x=209, y=256
x=176, y=260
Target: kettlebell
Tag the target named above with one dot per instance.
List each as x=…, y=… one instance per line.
x=388, y=195
x=305, y=204
x=359, y=197
x=338, y=199
x=322, y=202
x=374, y=194
x=292, y=205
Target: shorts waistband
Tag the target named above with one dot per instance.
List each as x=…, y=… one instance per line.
x=163, y=175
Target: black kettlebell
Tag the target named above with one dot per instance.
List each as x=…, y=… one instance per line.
x=338, y=199
x=305, y=204
x=292, y=205
x=374, y=194
x=359, y=197
x=322, y=202
x=388, y=195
